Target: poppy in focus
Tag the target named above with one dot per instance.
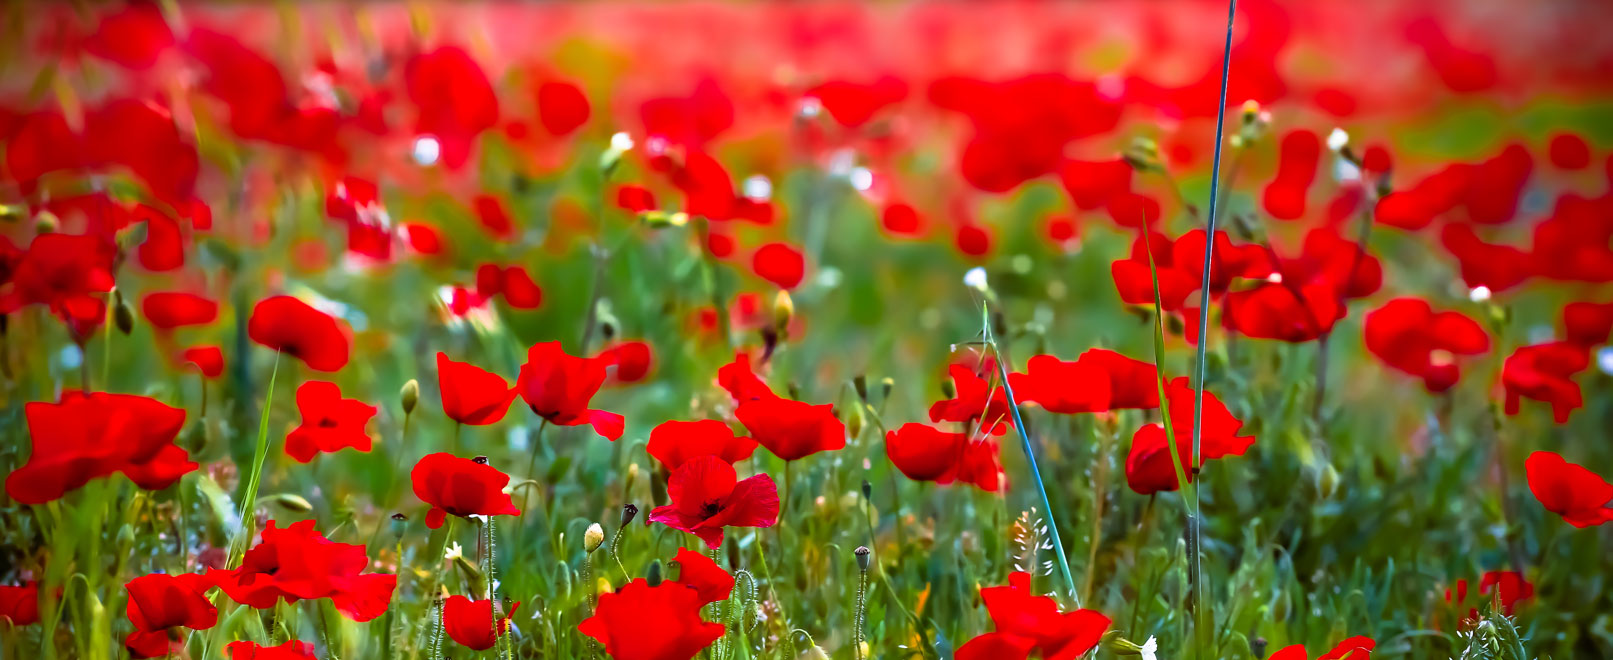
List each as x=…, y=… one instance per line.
x=88, y=436
x=293, y=327
x=460, y=486
x=471, y=395
x=1025, y=622
x=471, y=622
x=330, y=423
x=674, y=443
x=558, y=387
x=707, y=496
x=641, y=622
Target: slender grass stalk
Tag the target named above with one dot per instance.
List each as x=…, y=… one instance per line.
x=250, y=498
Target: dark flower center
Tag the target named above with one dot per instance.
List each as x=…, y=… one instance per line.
x=710, y=508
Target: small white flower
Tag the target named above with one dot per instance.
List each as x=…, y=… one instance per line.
x=1479, y=293
x=861, y=178
x=1149, y=647
x=621, y=141
x=1338, y=139
x=426, y=150
x=1604, y=360
x=758, y=187
x=453, y=552
x=975, y=278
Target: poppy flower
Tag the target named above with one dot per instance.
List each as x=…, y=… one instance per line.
x=635, y=199
x=562, y=107
x=1568, y=490
x=641, y=622
x=291, y=326
x=292, y=650
x=690, y=120
x=88, y=436
x=1409, y=336
x=329, y=422
x=1572, y=244
x=1299, y=152
x=630, y=361
x=1097, y=381
x=67, y=273
x=295, y=563
x=470, y=622
x=792, y=429
x=1290, y=313
x=1352, y=648
x=558, y=388
x=925, y=453
x=460, y=486
x=20, y=604
x=741, y=381
x=453, y=99
x=1025, y=622
x=975, y=400
x=155, y=644
x=1569, y=151
x=208, y=359
x=160, y=601
x=133, y=36
x=1509, y=587
x=707, y=496
x=1179, y=265
x=423, y=238
x=1545, y=372
x=172, y=309
x=1493, y=266
x=1586, y=323
x=674, y=443
x=1021, y=126
x=708, y=579
x=852, y=104
x=1496, y=185
x=1092, y=184
x=471, y=395
x=780, y=264
x=493, y=216
x=1149, y=468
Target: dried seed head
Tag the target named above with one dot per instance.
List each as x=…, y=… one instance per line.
x=479, y=460
x=862, y=552
x=409, y=395
x=629, y=511
x=592, y=538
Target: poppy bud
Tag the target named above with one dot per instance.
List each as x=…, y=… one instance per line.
x=814, y=653
x=1258, y=646
x=479, y=460
x=629, y=512
x=1142, y=154
x=399, y=524
x=121, y=314
x=862, y=557
x=947, y=390
x=410, y=395
x=292, y=502
x=125, y=537
x=860, y=383
x=885, y=386
x=12, y=212
x=592, y=538
x=658, y=219
x=783, y=311
x=631, y=478
x=854, y=422
x=46, y=222
x=653, y=576
x=1328, y=483
x=868, y=490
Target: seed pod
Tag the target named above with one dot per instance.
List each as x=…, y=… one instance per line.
x=409, y=395
x=860, y=383
x=629, y=511
x=293, y=502
x=400, y=523
x=122, y=315
x=654, y=574
x=868, y=490
x=592, y=538
x=862, y=557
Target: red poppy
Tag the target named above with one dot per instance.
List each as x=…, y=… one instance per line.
x=172, y=309
x=423, y=238
x=742, y=382
x=674, y=443
x=1545, y=372
x=160, y=601
x=562, y=107
x=20, y=604
x=1179, y=265
x=460, y=486
x=641, y=622
x=852, y=104
x=471, y=395
x=976, y=399
x=1588, y=324
x=291, y=326
x=1290, y=313
x=1284, y=197
x=630, y=361
x=1353, y=648
x=780, y=264
x=292, y=650
x=635, y=199
x=296, y=563
x=1493, y=266
x=1509, y=586
x=900, y=219
x=164, y=247
x=1022, y=126
x=925, y=453
x=329, y=422
x=133, y=36
x=707, y=496
x=494, y=217
x=157, y=644
x=1092, y=184
x=88, y=436
x=708, y=579
x=792, y=429
x=1568, y=490
x=65, y=272
x=1149, y=468
x=558, y=387
x=1572, y=244
x=1409, y=336
x=208, y=359
x=470, y=622
x=1026, y=622
x=1569, y=151
x=454, y=100
x=1496, y=185
x=1097, y=381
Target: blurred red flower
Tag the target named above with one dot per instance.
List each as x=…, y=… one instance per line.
x=635, y=199
x=20, y=604
x=1025, y=622
x=1091, y=184
x=1568, y=490
x=852, y=104
x=629, y=361
x=164, y=247
x=1569, y=151
x=709, y=580
x=453, y=99
x=470, y=622
x=1149, y=468
x=707, y=496
x=925, y=453
x=292, y=650
x=329, y=422
x=1021, y=126
x=160, y=601
x=1545, y=372
x=291, y=326
x=1587, y=324
x=88, y=436
x=690, y=120
x=641, y=622
x=65, y=272
x=1410, y=336
x=562, y=107
x=792, y=429
x=780, y=264
x=460, y=486
x=1284, y=197
x=166, y=310
x=471, y=395
x=156, y=644
x=1352, y=648
x=1493, y=266
x=423, y=238
x=558, y=388
x=208, y=359
x=494, y=217
x=1509, y=586
x=1097, y=381
x=296, y=563
x=133, y=36
x=976, y=399
x=674, y=443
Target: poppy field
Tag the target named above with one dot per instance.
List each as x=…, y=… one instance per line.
x=955, y=331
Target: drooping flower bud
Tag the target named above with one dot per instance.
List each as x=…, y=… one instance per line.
x=122, y=315
x=409, y=395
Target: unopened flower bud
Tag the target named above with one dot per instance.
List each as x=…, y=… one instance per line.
x=783, y=311
x=1142, y=154
x=629, y=512
x=658, y=218
x=593, y=537
x=653, y=576
x=886, y=384
x=400, y=524
x=122, y=315
x=862, y=552
x=293, y=502
x=409, y=395
x=868, y=490
x=860, y=383
x=46, y=222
